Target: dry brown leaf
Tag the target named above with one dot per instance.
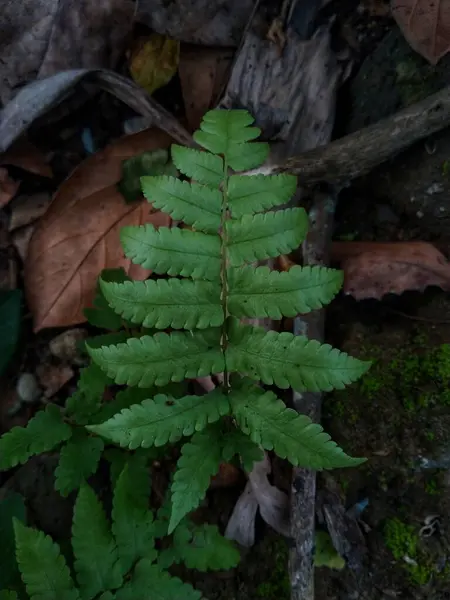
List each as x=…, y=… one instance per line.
x=25, y=209
x=425, y=25
x=53, y=377
x=203, y=73
x=374, y=269
x=25, y=155
x=8, y=187
x=79, y=234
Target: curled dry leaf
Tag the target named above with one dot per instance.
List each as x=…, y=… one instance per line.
x=374, y=269
x=26, y=156
x=79, y=234
x=8, y=187
x=425, y=25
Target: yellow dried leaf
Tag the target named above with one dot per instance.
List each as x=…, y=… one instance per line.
x=154, y=61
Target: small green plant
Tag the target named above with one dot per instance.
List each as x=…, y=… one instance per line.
x=212, y=288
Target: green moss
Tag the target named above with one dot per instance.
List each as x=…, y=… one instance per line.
x=432, y=486
x=277, y=585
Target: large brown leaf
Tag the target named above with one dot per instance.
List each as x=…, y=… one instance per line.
x=374, y=269
x=79, y=234
x=426, y=26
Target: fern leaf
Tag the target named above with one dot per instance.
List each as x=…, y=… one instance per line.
x=203, y=167
x=132, y=519
x=262, y=292
x=158, y=359
x=173, y=251
x=163, y=419
x=78, y=460
x=86, y=401
x=96, y=559
x=43, y=567
x=290, y=361
x=176, y=303
x=107, y=596
x=101, y=314
x=151, y=581
x=43, y=433
x=9, y=595
x=248, y=195
x=227, y=132
x=268, y=422
x=195, y=204
x=202, y=547
x=237, y=443
x=200, y=460
x=261, y=236
x=12, y=506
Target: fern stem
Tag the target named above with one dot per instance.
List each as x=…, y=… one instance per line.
x=223, y=271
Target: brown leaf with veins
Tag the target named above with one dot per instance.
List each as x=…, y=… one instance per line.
x=425, y=25
x=79, y=234
x=25, y=155
x=374, y=269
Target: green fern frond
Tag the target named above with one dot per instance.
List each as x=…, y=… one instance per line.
x=262, y=292
x=9, y=595
x=101, y=315
x=173, y=251
x=86, y=401
x=203, y=167
x=265, y=235
x=44, y=432
x=227, y=132
x=238, y=443
x=132, y=520
x=195, y=204
x=150, y=581
x=200, y=460
x=290, y=361
x=42, y=566
x=78, y=460
x=161, y=358
x=163, y=419
x=268, y=422
x=248, y=195
x=176, y=303
x=96, y=558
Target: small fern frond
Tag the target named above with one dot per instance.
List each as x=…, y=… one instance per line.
x=150, y=581
x=78, y=460
x=163, y=303
x=238, y=443
x=195, y=204
x=268, y=422
x=290, y=361
x=248, y=195
x=227, y=132
x=265, y=235
x=173, y=251
x=44, y=432
x=10, y=595
x=163, y=419
x=86, y=401
x=132, y=520
x=43, y=568
x=262, y=292
x=96, y=559
x=200, y=460
x=161, y=358
x=203, y=167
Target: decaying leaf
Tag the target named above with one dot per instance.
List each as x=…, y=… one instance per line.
x=374, y=269
x=8, y=187
x=154, y=61
x=27, y=208
x=79, y=234
x=53, y=377
x=203, y=73
x=26, y=156
x=425, y=25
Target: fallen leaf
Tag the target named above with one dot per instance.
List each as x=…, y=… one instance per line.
x=374, y=269
x=28, y=208
x=79, y=234
x=228, y=476
x=8, y=187
x=26, y=156
x=53, y=377
x=203, y=73
x=21, y=240
x=66, y=345
x=154, y=61
x=425, y=25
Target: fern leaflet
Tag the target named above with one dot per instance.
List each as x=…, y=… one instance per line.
x=176, y=303
x=163, y=419
x=248, y=195
x=86, y=401
x=96, y=558
x=101, y=314
x=200, y=460
x=42, y=566
x=9, y=595
x=200, y=166
x=78, y=460
x=44, y=432
x=173, y=251
x=268, y=422
x=159, y=359
x=237, y=443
